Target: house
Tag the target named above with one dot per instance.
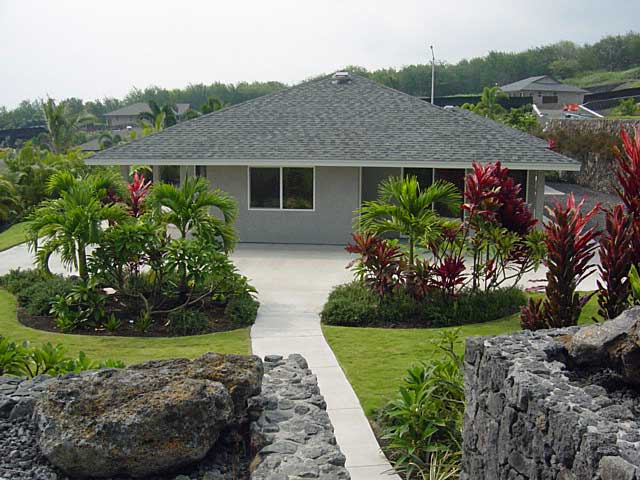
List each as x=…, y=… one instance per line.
x=301, y=160
x=129, y=116
x=547, y=92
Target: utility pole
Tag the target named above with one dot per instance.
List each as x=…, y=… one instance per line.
x=433, y=75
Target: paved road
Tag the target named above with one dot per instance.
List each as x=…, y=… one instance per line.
x=293, y=283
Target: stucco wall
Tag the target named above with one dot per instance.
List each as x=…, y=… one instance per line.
x=336, y=197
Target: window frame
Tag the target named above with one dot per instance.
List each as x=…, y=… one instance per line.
x=281, y=188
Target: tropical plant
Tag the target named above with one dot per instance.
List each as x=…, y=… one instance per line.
x=616, y=256
x=72, y=222
x=62, y=126
x=109, y=139
x=211, y=105
x=167, y=113
x=634, y=281
x=9, y=201
x=571, y=248
x=406, y=209
x=379, y=265
x=154, y=125
x=426, y=416
x=489, y=105
x=138, y=190
x=627, y=107
x=188, y=208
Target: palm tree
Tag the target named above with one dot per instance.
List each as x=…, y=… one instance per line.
x=188, y=208
x=9, y=203
x=212, y=104
x=403, y=207
x=72, y=222
x=157, y=125
x=62, y=126
x=109, y=139
x=488, y=105
x=170, y=116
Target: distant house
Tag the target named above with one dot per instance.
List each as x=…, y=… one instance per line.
x=128, y=116
x=547, y=92
x=299, y=161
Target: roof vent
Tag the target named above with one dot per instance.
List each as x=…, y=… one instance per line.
x=341, y=77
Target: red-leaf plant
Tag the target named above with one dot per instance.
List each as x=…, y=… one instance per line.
x=492, y=199
x=138, y=190
x=448, y=275
x=616, y=257
x=570, y=249
x=380, y=263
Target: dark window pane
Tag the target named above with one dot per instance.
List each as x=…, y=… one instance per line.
x=520, y=178
x=265, y=187
x=451, y=175
x=297, y=188
x=170, y=174
x=201, y=171
x=424, y=175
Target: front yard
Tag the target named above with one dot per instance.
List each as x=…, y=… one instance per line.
x=376, y=359
x=12, y=236
x=127, y=349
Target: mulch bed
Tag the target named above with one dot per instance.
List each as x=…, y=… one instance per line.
x=159, y=328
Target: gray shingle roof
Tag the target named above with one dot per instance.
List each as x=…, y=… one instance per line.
x=323, y=123
x=138, y=108
x=542, y=83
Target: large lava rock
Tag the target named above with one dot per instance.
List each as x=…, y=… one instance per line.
x=612, y=344
x=145, y=419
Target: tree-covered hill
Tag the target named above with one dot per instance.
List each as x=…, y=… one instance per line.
x=613, y=59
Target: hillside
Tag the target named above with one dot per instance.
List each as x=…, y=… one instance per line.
x=617, y=79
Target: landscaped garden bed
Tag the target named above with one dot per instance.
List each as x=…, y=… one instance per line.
x=158, y=265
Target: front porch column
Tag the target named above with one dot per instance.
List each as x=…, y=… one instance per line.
x=187, y=171
x=539, y=199
x=155, y=172
x=124, y=172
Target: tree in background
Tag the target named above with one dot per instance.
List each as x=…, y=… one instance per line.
x=212, y=104
x=489, y=105
x=62, y=125
x=627, y=107
x=167, y=114
x=108, y=139
x=9, y=201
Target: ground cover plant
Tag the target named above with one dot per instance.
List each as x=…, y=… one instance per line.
x=134, y=277
x=451, y=271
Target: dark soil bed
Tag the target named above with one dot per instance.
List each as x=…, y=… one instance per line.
x=159, y=328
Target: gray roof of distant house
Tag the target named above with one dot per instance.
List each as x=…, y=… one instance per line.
x=138, y=108
x=360, y=123
x=541, y=83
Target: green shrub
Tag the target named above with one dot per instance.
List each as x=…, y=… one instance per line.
x=38, y=297
x=25, y=360
x=423, y=424
x=353, y=305
x=17, y=280
x=242, y=310
x=188, y=322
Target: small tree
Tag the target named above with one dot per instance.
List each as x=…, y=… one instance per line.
x=62, y=126
x=406, y=209
x=570, y=248
x=188, y=208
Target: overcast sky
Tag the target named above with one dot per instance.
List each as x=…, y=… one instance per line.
x=90, y=49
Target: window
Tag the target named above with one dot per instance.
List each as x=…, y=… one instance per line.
x=281, y=188
x=201, y=171
x=456, y=177
x=550, y=99
x=424, y=176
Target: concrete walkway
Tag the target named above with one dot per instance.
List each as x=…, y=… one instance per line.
x=293, y=283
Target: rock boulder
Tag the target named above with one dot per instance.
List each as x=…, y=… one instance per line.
x=144, y=419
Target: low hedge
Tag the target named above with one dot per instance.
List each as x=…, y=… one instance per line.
x=353, y=305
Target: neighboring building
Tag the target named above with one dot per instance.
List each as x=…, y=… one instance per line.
x=129, y=116
x=301, y=160
x=547, y=92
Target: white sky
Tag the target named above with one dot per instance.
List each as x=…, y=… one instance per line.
x=91, y=49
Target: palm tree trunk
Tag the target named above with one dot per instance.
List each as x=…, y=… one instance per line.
x=411, y=248
x=82, y=261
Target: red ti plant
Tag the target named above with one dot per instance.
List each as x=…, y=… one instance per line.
x=616, y=257
x=380, y=264
x=138, y=190
x=449, y=275
x=570, y=249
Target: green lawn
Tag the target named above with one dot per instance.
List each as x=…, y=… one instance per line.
x=12, y=236
x=128, y=349
x=375, y=359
